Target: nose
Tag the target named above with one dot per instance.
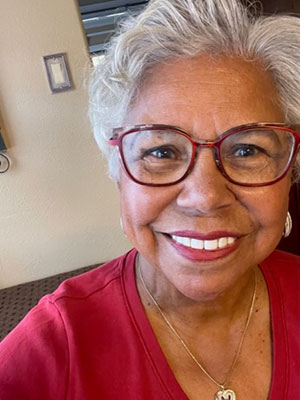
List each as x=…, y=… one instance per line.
x=205, y=190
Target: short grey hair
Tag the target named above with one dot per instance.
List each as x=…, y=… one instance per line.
x=168, y=29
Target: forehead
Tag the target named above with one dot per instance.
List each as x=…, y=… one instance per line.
x=208, y=94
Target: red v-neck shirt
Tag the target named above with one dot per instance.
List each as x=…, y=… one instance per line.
x=91, y=340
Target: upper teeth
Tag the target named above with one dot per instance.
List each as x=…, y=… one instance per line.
x=204, y=244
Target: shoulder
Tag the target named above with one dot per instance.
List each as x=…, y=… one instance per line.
x=38, y=337
x=70, y=303
x=283, y=256
x=282, y=264
x=77, y=312
x=282, y=274
x=282, y=271
x=92, y=282
x=91, y=301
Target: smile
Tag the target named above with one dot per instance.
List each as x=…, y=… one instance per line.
x=199, y=244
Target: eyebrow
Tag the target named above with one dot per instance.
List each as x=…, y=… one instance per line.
x=269, y=133
x=160, y=131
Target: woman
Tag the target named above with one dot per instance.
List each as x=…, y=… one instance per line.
x=203, y=308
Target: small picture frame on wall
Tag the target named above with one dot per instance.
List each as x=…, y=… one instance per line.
x=58, y=72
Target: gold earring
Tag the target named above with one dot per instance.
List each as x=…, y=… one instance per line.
x=288, y=226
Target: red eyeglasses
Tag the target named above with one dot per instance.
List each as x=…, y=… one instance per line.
x=256, y=154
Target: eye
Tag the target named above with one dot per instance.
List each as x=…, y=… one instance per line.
x=161, y=152
x=247, y=150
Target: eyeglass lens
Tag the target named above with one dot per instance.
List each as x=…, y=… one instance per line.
x=254, y=156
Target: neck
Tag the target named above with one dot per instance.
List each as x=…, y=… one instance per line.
x=225, y=305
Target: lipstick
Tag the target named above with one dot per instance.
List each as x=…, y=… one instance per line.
x=203, y=247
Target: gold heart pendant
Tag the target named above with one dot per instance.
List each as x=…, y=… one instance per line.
x=225, y=394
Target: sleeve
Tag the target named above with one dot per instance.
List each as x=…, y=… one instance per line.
x=34, y=357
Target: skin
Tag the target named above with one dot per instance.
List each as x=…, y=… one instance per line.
x=200, y=296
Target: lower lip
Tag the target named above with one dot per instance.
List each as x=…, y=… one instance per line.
x=203, y=255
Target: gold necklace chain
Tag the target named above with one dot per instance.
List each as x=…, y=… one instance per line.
x=171, y=327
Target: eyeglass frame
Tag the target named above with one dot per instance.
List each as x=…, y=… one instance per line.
x=121, y=132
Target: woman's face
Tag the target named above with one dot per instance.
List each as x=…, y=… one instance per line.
x=205, y=98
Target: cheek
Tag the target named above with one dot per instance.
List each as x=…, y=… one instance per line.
x=268, y=208
x=139, y=211
x=140, y=205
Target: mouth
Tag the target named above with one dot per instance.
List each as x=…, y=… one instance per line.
x=209, y=245
x=204, y=247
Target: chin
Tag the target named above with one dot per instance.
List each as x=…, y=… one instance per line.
x=204, y=288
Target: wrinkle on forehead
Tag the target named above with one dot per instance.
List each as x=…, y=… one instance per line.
x=233, y=69
x=222, y=86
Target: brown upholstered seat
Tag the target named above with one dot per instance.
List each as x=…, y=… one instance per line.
x=16, y=301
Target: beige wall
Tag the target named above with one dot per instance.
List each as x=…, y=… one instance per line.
x=58, y=209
